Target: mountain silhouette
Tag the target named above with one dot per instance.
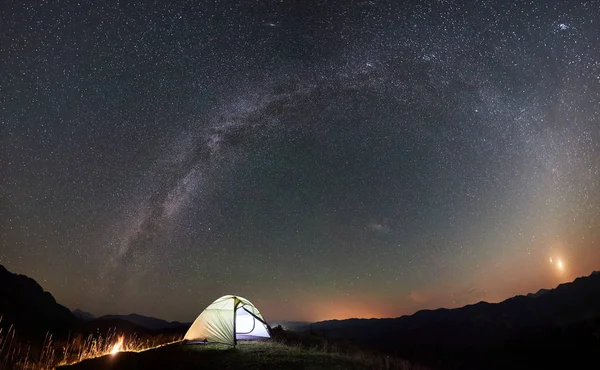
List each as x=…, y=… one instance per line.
x=83, y=315
x=147, y=322
x=563, y=322
x=31, y=311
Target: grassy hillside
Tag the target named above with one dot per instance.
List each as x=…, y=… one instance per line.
x=247, y=355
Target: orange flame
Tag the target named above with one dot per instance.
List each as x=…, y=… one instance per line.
x=118, y=346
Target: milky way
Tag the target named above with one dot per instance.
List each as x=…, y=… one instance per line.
x=365, y=159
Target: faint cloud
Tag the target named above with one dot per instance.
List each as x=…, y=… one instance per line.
x=379, y=227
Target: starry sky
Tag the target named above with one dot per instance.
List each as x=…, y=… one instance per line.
x=324, y=159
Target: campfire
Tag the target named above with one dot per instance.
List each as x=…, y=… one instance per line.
x=118, y=346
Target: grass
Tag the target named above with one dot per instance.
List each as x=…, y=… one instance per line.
x=20, y=355
x=262, y=355
x=286, y=351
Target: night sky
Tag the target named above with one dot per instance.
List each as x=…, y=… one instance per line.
x=322, y=159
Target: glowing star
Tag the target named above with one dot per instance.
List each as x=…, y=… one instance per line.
x=550, y=259
x=560, y=265
x=118, y=346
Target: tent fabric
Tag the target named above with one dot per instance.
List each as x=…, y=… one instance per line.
x=227, y=319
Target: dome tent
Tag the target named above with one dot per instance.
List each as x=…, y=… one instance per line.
x=228, y=319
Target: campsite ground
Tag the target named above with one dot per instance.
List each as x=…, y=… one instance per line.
x=247, y=355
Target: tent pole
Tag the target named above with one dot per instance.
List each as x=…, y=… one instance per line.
x=235, y=304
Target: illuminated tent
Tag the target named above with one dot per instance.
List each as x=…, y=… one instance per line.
x=227, y=320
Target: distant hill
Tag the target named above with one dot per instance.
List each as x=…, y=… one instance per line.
x=35, y=313
x=538, y=293
x=147, y=322
x=289, y=325
x=32, y=311
x=106, y=326
x=563, y=322
x=85, y=316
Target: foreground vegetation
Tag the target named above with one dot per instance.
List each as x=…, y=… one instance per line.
x=18, y=354
x=270, y=354
x=111, y=350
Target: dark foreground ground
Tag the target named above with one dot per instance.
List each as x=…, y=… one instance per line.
x=247, y=355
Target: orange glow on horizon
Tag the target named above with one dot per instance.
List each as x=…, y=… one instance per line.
x=349, y=308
